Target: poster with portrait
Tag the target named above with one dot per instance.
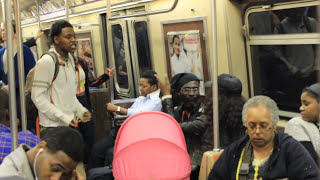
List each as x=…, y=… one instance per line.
x=185, y=54
x=84, y=51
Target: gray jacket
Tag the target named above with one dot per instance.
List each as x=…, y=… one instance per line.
x=17, y=164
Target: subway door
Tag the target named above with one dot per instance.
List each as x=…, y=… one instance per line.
x=121, y=61
x=140, y=49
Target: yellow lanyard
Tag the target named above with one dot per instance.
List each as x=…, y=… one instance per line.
x=256, y=168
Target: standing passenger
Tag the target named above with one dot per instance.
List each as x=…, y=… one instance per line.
x=305, y=128
x=29, y=63
x=56, y=101
x=83, y=82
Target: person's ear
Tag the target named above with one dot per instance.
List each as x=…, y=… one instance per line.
x=42, y=144
x=154, y=87
x=55, y=40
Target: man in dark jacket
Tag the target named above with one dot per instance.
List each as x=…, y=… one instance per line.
x=181, y=100
x=264, y=153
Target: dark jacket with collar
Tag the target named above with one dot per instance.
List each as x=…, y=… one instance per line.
x=289, y=159
x=197, y=129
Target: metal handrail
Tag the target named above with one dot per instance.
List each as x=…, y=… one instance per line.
x=11, y=79
x=146, y=13
x=215, y=101
x=20, y=65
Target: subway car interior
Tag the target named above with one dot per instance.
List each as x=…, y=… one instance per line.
x=271, y=46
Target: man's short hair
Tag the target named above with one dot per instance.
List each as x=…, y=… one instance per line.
x=65, y=139
x=152, y=80
x=264, y=101
x=57, y=27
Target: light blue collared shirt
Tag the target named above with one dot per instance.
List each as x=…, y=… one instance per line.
x=151, y=102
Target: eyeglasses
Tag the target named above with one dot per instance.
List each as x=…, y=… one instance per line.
x=188, y=89
x=263, y=127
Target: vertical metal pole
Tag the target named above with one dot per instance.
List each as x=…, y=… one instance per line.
x=214, y=74
x=16, y=5
x=227, y=35
x=109, y=37
x=67, y=9
x=318, y=46
x=3, y=10
x=38, y=13
x=11, y=79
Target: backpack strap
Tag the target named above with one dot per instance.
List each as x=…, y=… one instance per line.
x=55, y=59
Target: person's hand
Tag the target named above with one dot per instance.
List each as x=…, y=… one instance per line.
x=6, y=88
x=39, y=34
x=164, y=86
x=109, y=72
x=74, y=123
x=86, y=117
x=111, y=107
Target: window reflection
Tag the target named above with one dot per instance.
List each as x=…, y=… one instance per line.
x=287, y=21
x=119, y=56
x=142, y=44
x=282, y=71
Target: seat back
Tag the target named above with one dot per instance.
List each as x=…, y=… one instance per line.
x=208, y=160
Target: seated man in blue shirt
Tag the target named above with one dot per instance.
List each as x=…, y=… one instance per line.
x=149, y=99
x=102, y=151
x=24, y=137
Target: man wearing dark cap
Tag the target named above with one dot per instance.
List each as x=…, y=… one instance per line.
x=183, y=103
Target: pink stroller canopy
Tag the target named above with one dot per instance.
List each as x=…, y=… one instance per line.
x=151, y=145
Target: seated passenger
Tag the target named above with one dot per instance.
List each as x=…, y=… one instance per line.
x=149, y=99
x=264, y=153
x=24, y=137
x=305, y=128
x=190, y=115
x=102, y=151
x=55, y=157
x=230, y=107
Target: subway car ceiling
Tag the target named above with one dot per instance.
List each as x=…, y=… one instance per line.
x=254, y=42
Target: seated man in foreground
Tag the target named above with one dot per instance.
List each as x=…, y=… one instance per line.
x=264, y=153
x=55, y=157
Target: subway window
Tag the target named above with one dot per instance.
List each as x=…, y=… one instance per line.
x=142, y=45
x=282, y=47
x=285, y=21
x=119, y=56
